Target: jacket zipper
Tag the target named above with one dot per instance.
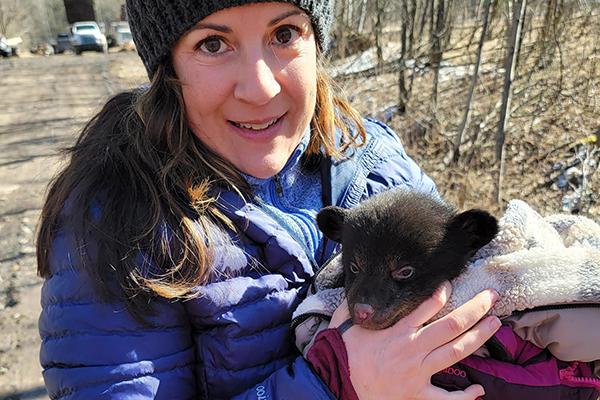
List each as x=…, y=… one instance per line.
x=567, y=375
x=275, y=191
x=278, y=188
x=301, y=318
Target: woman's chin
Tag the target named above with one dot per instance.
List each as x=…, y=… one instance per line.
x=265, y=170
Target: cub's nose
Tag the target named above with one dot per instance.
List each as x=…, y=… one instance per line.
x=362, y=313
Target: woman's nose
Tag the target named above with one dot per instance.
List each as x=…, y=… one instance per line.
x=256, y=83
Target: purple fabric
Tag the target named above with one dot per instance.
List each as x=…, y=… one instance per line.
x=518, y=370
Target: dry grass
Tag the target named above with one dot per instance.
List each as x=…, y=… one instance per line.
x=553, y=108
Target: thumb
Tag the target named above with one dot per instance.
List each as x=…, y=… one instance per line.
x=473, y=392
x=430, y=307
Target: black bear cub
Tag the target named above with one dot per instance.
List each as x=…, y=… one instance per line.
x=398, y=247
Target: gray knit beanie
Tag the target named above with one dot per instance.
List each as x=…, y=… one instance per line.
x=156, y=25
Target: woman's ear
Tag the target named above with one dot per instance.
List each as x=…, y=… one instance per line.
x=331, y=222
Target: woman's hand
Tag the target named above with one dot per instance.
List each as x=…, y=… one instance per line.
x=398, y=362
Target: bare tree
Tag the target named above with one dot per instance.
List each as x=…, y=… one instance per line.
x=437, y=33
x=13, y=17
x=363, y=16
x=425, y=11
x=340, y=31
x=404, y=37
x=380, y=9
x=510, y=66
x=80, y=10
x=474, y=79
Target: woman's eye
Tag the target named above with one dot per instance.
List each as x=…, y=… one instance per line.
x=212, y=45
x=286, y=34
x=403, y=273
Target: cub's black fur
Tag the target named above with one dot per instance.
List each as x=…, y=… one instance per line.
x=398, y=247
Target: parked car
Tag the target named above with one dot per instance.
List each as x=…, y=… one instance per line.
x=63, y=43
x=124, y=39
x=86, y=36
x=120, y=36
x=5, y=49
x=9, y=47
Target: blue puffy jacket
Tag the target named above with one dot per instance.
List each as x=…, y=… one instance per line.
x=233, y=340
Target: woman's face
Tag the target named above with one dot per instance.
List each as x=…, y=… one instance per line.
x=249, y=79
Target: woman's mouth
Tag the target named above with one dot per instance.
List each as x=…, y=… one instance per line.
x=256, y=126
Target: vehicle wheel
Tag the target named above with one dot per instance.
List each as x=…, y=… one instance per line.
x=78, y=52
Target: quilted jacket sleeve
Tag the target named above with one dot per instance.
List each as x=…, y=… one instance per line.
x=397, y=169
x=298, y=381
x=96, y=350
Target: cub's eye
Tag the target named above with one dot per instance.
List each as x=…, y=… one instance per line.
x=403, y=273
x=354, y=268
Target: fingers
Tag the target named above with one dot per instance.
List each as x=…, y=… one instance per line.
x=471, y=393
x=461, y=347
x=458, y=321
x=429, y=308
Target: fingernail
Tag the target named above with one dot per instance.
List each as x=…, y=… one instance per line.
x=494, y=296
x=495, y=323
x=442, y=290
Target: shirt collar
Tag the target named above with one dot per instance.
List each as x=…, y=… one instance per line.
x=291, y=164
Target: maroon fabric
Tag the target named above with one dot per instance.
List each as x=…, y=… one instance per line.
x=518, y=370
x=329, y=358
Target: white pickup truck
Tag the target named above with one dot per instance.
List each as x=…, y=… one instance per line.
x=86, y=36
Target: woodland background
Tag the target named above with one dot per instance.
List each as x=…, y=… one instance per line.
x=496, y=99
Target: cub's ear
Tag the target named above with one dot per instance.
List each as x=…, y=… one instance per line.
x=478, y=226
x=331, y=222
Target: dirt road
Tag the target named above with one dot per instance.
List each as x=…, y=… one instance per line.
x=43, y=103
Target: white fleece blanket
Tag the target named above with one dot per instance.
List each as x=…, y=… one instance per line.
x=532, y=262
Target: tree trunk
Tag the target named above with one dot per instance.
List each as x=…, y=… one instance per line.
x=411, y=42
x=424, y=12
x=380, y=5
x=402, y=91
x=474, y=79
x=340, y=31
x=510, y=66
x=363, y=16
x=436, y=51
x=80, y=10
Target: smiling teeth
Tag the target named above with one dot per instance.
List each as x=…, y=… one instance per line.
x=257, y=127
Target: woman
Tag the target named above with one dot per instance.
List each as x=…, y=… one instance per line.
x=180, y=237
